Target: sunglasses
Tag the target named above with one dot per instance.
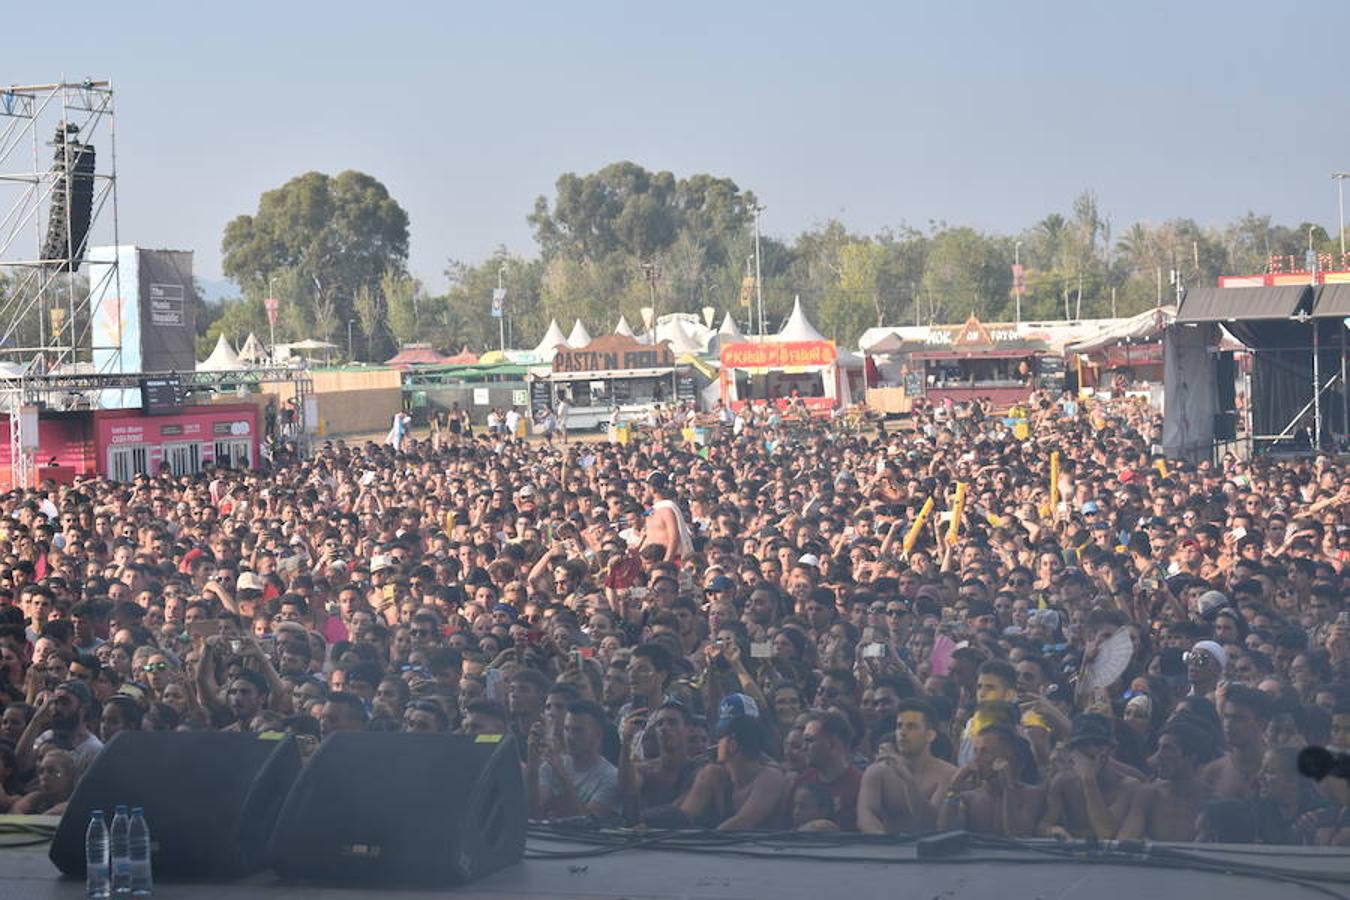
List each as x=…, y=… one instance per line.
x=154, y=667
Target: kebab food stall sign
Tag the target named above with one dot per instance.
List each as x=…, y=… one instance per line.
x=784, y=355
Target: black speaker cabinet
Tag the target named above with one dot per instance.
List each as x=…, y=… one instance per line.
x=403, y=809
x=210, y=799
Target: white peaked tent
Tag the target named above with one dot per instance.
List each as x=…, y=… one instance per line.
x=252, y=352
x=730, y=331
x=623, y=328
x=798, y=327
x=552, y=338
x=579, y=337
x=680, y=340
x=222, y=358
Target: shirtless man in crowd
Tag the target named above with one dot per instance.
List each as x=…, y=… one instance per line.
x=989, y=795
x=744, y=789
x=901, y=792
x=1166, y=809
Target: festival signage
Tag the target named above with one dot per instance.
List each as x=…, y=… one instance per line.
x=614, y=352
x=780, y=355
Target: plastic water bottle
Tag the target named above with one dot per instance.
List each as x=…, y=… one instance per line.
x=96, y=857
x=119, y=840
x=138, y=843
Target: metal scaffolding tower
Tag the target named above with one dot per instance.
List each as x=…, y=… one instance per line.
x=58, y=194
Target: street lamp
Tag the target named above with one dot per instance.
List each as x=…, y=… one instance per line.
x=1340, y=207
x=500, y=301
x=759, y=281
x=1017, y=287
x=350, y=354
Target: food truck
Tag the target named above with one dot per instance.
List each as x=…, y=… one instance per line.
x=614, y=371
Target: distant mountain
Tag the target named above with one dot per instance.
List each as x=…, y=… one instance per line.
x=214, y=290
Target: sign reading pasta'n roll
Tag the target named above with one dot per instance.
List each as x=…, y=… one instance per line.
x=614, y=352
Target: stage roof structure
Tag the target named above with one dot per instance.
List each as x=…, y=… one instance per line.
x=1213, y=304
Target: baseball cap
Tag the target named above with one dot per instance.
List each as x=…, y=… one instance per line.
x=735, y=706
x=809, y=559
x=722, y=583
x=248, y=581
x=1214, y=650
x=1091, y=507
x=526, y=491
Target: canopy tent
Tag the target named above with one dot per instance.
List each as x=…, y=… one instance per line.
x=308, y=344
x=623, y=328
x=798, y=327
x=579, y=337
x=680, y=340
x=416, y=355
x=880, y=340
x=222, y=358
x=548, y=345
x=679, y=328
x=1147, y=326
x=465, y=357
x=729, y=329
x=252, y=350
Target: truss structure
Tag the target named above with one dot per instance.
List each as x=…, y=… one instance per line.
x=48, y=137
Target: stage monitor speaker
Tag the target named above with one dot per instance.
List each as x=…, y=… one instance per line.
x=210, y=799
x=1225, y=426
x=386, y=809
x=1225, y=373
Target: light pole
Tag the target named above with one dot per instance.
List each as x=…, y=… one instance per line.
x=271, y=320
x=350, y=354
x=501, y=294
x=1017, y=286
x=759, y=280
x=1340, y=207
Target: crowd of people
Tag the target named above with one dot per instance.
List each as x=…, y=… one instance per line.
x=795, y=625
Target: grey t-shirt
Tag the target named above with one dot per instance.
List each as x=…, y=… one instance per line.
x=597, y=786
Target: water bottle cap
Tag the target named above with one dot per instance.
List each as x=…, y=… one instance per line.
x=138, y=810
x=95, y=812
x=121, y=810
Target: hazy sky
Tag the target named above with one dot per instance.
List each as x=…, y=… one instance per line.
x=988, y=114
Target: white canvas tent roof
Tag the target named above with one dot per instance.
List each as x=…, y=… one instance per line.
x=880, y=340
x=252, y=350
x=623, y=328
x=222, y=358
x=579, y=337
x=730, y=329
x=552, y=338
x=1147, y=324
x=680, y=339
x=798, y=327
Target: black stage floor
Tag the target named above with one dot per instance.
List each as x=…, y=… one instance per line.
x=817, y=868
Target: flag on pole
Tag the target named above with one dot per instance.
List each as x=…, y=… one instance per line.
x=747, y=290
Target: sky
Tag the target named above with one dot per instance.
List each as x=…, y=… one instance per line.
x=879, y=114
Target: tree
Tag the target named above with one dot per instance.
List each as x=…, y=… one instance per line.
x=965, y=275
x=402, y=308
x=337, y=234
